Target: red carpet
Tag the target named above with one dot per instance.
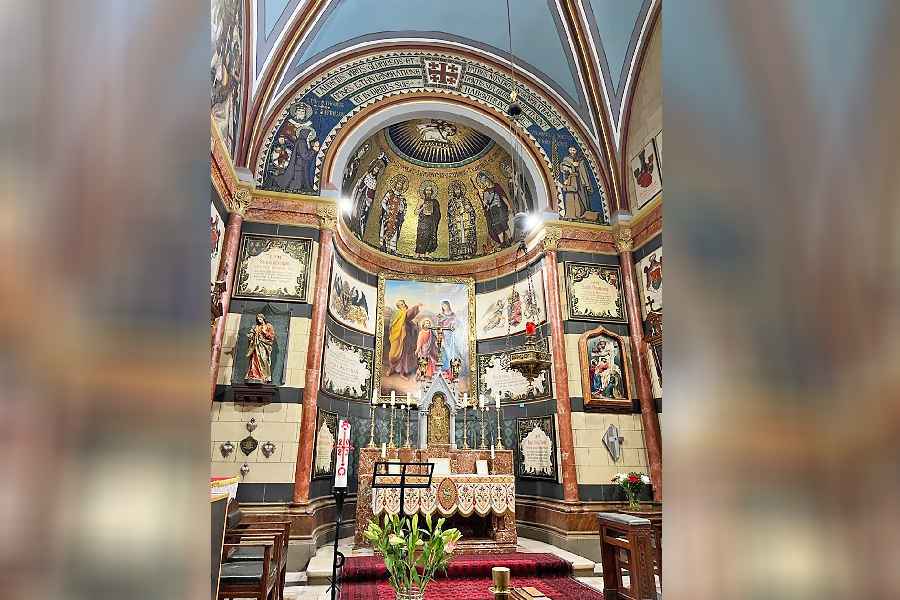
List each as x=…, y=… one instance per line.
x=469, y=578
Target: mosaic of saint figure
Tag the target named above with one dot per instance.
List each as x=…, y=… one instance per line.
x=353, y=167
x=402, y=339
x=393, y=210
x=461, y=222
x=496, y=207
x=363, y=196
x=260, y=341
x=295, y=166
x=429, y=213
x=575, y=183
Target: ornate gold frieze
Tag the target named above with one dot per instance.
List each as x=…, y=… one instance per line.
x=623, y=239
x=327, y=214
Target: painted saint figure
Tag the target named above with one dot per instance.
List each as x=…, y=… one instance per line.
x=260, y=341
x=363, y=195
x=299, y=171
x=451, y=343
x=605, y=373
x=429, y=213
x=496, y=208
x=427, y=348
x=575, y=183
x=393, y=211
x=402, y=339
x=461, y=217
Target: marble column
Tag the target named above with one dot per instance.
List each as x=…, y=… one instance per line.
x=560, y=368
x=649, y=416
x=314, y=354
x=230, y=245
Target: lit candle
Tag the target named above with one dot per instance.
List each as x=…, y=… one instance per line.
x=498, y=402
x=374, y=398
x=402, y=407
x=481, y=401
x=407, y=397
x=492, y=452
x=466, y=399
x=383, y=450
x=393, y=397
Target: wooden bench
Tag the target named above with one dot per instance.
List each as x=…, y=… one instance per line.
x=626, y=544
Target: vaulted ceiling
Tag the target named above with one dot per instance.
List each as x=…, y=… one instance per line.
x=290, y=36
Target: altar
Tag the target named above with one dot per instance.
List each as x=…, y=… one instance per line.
x=484, y=506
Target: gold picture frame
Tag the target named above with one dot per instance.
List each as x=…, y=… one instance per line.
x=469, y=283
x=607, y=404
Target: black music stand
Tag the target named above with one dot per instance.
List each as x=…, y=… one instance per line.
x=421, y=478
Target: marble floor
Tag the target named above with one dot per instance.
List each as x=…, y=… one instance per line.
x=320, y=567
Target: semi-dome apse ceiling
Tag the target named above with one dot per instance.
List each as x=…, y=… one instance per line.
x=430, y=189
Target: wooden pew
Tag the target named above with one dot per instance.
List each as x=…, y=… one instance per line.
x=626, y=543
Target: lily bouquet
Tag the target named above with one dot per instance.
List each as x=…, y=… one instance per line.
x=632, y=484
x=413, y=555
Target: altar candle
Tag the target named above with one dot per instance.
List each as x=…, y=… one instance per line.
x=481, y=401
x=374, y=398
x=492, y=452
x=466, y=399
x=407, y=397
x=393, y=397
x=498, y=402
x=383, y=450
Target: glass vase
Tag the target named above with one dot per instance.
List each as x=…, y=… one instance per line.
x=412, y=593
x=633, y=503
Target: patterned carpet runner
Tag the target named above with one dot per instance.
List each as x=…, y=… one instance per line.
x=469, y=578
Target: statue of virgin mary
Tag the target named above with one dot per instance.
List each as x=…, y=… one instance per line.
x=261, y=340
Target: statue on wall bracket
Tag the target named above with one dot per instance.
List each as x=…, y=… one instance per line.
x=261, y=340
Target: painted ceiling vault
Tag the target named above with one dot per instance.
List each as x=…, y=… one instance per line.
x=433, y=190
x=542, y=42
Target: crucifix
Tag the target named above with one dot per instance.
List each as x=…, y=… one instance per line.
x=439, y=335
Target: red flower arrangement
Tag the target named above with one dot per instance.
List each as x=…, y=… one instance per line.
x=632, y=484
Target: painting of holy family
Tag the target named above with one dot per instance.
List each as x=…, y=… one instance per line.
x=424, y=327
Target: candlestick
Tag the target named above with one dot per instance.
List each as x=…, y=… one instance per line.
x=465, y=429
x=392, y=444
x=483, y=446
x=406, y=445
x=499, y=429
x=374, y=397
x=372, y=424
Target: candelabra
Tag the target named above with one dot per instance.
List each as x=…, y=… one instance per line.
x=406, y=445
x=392, y=444
x=483, y=446
x=371, y=426
x=465, y=428
x=499, y=430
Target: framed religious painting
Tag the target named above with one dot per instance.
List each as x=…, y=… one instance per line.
x=346, y=369
x=595, y=292
x=605, y=362
x=495, y=378
x=324, y=444
x=273, y=268
x=425, y=327
x=536, y=448
x=350, y=301
x=507, y=310
x=645, y=174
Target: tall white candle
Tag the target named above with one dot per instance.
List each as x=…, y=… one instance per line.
x=466, y=399
x=498, y=402
x=374, y=397
x=481, y=401
x=407, y=397
x=492, y=452
x=383, y=450
x=393, y=397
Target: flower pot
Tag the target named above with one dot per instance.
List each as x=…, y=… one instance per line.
x=413, y=593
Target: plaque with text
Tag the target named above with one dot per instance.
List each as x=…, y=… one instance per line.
x=495, y=378
x=346, y=369
x=595, y=293
x=536, y=448
x=325, y=443
x=273, y=268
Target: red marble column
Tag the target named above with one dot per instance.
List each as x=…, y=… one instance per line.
x=649, y=417
x=230, y=245
x=561, y=374
x=314, y=363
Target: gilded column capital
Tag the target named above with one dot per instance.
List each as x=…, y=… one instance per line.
x=327, y=214
x=552, y=235
x=622, y=237
x=241, y=199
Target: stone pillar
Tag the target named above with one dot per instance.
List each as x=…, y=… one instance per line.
x=328, y=219
x=560, y=368
x=649, y=417
x=230, y=244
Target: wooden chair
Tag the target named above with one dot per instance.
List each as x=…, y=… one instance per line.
x=252, y=579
